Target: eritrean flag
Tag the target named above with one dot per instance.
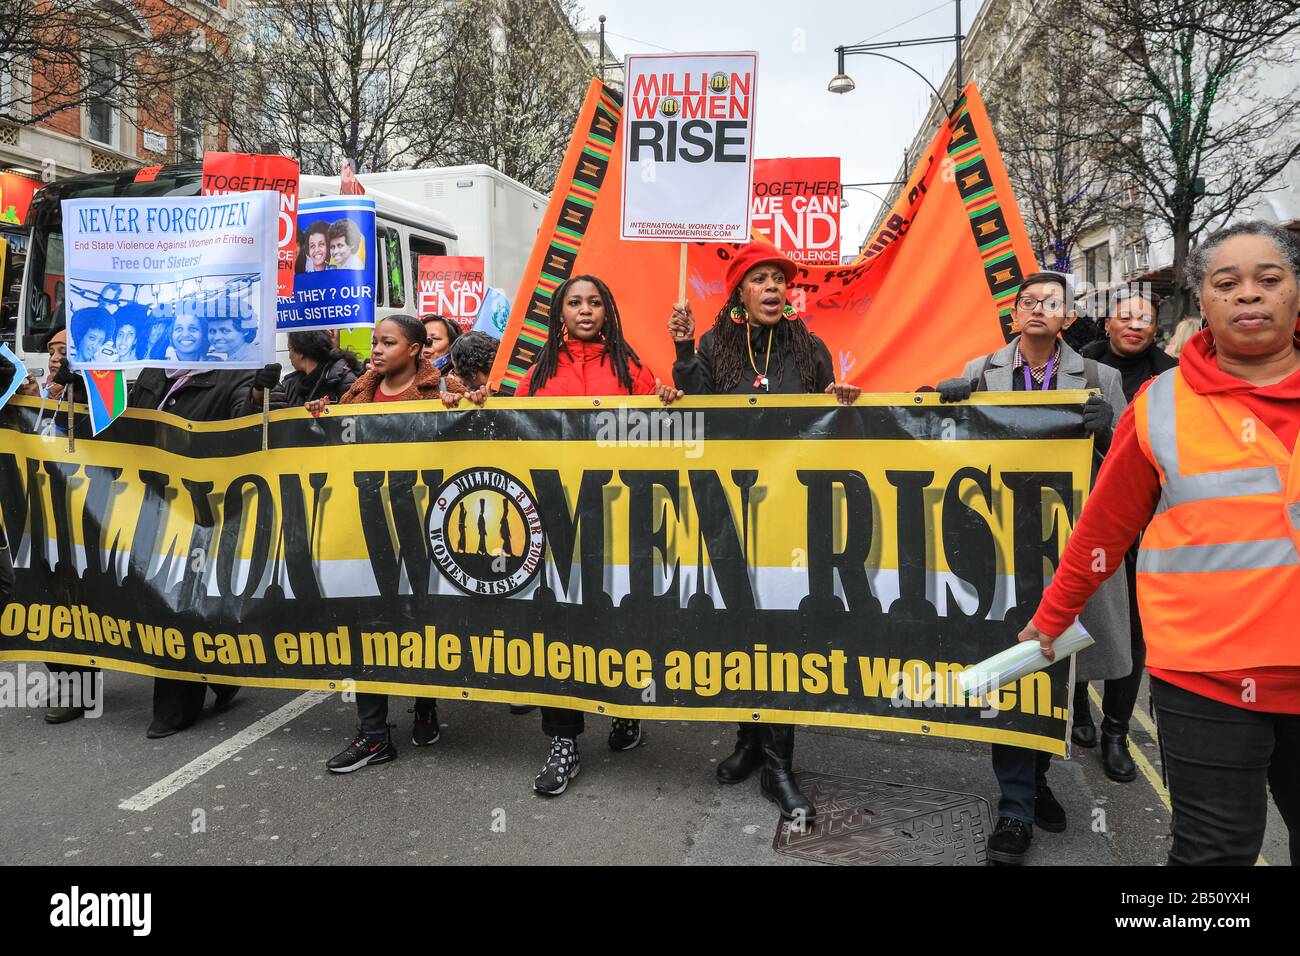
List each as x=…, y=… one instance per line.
x=106, y=396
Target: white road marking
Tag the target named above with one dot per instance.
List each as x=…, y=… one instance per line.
x=201, y=764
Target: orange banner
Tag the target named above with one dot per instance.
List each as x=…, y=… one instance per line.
x=932, y=289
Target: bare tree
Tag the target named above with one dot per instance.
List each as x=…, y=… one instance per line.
x=1046, y=118
x=58, y=55
x=1187, y=122
x=344, y=79
x=526, y=75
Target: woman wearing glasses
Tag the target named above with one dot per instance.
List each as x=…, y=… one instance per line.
x=1036, y=360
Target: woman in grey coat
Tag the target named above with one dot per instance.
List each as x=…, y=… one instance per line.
x=1037, y=359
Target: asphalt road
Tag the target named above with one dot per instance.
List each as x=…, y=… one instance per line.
x=97, y=792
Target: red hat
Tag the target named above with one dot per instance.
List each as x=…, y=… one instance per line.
x=756, y=254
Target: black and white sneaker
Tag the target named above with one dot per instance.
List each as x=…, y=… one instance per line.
x=625, y=734
x=425, y=730
x=561, y=766
x=366, y=750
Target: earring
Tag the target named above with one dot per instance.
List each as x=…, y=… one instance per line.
x=789, y=311
x=739, y=315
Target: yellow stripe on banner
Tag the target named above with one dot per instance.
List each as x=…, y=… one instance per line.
x=867, y=399
x=901, y=725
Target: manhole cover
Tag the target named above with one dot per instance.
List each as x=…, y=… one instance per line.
x=877, y=823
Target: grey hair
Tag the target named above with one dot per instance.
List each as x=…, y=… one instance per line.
x=1198, y=260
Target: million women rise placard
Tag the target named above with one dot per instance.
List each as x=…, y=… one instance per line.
x=688, y=147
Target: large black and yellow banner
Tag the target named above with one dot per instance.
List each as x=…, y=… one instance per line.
x=756, y=559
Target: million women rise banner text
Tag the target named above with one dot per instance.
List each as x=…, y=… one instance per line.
x=602, y=554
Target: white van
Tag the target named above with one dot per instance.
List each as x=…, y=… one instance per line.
x=496, y=217
x=406, y=231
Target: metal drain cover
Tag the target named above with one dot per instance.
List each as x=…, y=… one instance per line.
x=877, y=823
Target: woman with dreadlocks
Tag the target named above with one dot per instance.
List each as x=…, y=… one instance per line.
x=758, y=344
x=585, y=354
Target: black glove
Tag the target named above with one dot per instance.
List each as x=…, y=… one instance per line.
x=267, y=376
x=1098, y=416
x=954, y=390
x=1099, y=420
x=65, y=376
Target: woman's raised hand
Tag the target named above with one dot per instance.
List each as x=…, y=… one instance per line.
x=317, y=405
x=682, y=325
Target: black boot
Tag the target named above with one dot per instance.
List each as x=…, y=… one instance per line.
x=1084, y=733
x=747, y=757
x=777, y=780
x=1116, y=762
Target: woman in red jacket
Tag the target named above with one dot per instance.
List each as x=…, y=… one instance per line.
x=585, y=354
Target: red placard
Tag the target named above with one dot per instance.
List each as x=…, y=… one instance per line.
x=15, y=196
x=451, y=286
x=796, y=206
x=248, y=172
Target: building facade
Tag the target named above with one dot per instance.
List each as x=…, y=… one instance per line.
x=110, y=132
x=1120, y=246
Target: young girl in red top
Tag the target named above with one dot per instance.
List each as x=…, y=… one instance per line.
x=585, y=354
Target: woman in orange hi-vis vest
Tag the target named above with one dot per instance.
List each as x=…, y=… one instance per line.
x=1203, y=466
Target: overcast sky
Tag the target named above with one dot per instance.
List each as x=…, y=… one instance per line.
x=868, y=128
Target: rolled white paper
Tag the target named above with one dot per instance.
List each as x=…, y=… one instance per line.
x=1020, y=659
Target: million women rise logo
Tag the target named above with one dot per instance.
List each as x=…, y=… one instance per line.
x=708, y=96
x=690, y=117
x=486, y=532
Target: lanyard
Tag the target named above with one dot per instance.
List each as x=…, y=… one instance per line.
x=1047, y=373
x=760, y=378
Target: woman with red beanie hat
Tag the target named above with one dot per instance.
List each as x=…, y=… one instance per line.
x=758, y=343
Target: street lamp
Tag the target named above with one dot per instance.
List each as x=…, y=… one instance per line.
x=843, y=83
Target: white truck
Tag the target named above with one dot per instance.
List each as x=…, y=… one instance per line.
x=496, y=217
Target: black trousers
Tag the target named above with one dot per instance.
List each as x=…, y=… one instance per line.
x=1020, y=774
x=562, y=722
x=779, y=736
x=176, y=703
x=1121, y=694
x=1220, y=764
x=372, y=711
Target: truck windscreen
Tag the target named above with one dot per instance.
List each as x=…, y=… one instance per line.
x=44, y=303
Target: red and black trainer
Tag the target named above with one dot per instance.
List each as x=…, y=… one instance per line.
x=365, y=751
